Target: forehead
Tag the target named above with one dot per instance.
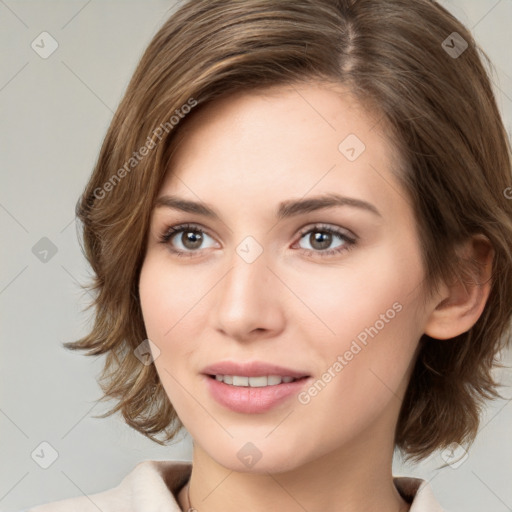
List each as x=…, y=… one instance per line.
x=287, y=141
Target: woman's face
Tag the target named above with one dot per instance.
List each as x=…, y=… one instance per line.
x=332, y=294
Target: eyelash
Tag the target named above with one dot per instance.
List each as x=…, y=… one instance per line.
x=349, y=243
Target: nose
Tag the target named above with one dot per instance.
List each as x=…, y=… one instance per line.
x=247, y=302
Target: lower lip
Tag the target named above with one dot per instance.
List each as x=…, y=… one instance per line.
x=252, y=400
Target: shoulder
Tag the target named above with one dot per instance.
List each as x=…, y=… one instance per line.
x=150, y=483
x=418, y=493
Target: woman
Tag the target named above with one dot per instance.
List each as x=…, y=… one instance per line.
x=302, y=246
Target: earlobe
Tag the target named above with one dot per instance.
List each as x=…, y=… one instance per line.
x=460, y=304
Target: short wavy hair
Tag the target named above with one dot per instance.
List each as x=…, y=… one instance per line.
x=400, y=58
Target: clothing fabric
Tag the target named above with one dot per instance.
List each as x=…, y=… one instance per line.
x=153, y=485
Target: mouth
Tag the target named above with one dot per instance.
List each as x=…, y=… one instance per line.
x=253, y=387
x=255, y=381
x=241, y=396
x=252, y=373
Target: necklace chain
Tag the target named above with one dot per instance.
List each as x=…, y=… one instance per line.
x=190, y=508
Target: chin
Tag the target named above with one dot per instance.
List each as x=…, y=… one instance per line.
x=259, y=457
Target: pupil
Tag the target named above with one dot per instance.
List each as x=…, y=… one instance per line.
x=320, y=240
x=192, y=239
x=323, y=238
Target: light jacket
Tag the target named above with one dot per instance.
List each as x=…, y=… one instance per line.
x=152, y=486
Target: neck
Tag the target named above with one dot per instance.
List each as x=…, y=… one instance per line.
x=341, y=480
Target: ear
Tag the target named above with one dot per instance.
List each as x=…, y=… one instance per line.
x=461, y=303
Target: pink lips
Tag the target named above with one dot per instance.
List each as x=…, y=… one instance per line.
x=251, y=369
x=252, y=400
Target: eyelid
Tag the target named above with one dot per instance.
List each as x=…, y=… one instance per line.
x=343, y=233
x=170, y=231
x=349, y=238
x=319, y=226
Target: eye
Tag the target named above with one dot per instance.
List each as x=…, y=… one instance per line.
x=320, y=237
x=192, y=236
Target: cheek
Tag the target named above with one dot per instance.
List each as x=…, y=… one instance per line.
x=374, y=294
x=168, y=315
x=155, y=301
x=175, y=307
x=369, y=320
x=168, y=299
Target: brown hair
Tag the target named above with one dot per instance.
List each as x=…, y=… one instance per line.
x=444, y=123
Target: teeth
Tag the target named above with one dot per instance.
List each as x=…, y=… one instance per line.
x=257, y=382
x=274, y=379
x=240, y=381
x=253, y=382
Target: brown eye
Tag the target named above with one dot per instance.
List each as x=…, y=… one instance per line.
x=191, y=239
x=321, y=238
x=185, y=240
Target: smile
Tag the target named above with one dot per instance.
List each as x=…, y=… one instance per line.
x=242, y=396
x=253, y=382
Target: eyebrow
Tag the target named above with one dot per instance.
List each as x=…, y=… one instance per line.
x=286, y=209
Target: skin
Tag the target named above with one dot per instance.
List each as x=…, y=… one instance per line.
x=243, y=155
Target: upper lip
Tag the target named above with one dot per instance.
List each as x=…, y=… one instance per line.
x=251, y=369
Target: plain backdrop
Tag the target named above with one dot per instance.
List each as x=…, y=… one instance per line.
x=54, y=114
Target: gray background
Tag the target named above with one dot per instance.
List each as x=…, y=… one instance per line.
x=55, y=113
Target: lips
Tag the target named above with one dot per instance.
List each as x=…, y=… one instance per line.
x=248, y=399
x=252, y=369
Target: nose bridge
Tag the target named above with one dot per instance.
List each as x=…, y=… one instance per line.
x=248, y=271
x=247, y=298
